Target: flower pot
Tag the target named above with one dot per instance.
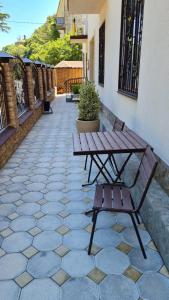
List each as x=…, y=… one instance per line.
x=87, y=126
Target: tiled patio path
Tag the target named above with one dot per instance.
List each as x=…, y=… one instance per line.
x=45, y=234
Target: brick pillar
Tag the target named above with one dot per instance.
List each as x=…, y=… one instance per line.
x=52, y=78
x=44, y=83
x=29, y=77
x=49, y=78
x=40, y=80
x=10, y=95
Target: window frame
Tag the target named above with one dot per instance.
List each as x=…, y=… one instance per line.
x=128, y=79
x=102, y=38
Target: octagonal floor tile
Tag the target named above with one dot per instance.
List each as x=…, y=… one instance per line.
x=32, y=197
x=12, y=265
x=17, y=242
x=151, y=264
x=118, y=287
x=81, y=289
x=4, y=223
x=77, y=263
x=49, y=222
x=9, y=290
x=75, y=195
x=36, y=186
x=52, y=208
x=77, y=221
x=15, y=187
x=10, y=197
x=106, y=238
x=54, y=196
x=105, y=220
x=130, y=237
x=43, y=264
x=53, y=186
x=112, y=261
x=28, y=208
x=23, y=223
x=77, y=207
x=153, y=286
x=7, y=209
x=47, y=240
x=41, y=289
x=76, y=239
x=124, y=219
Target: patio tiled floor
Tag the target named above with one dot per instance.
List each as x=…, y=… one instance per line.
x=45, y=234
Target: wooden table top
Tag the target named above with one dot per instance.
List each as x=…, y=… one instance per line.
x=107, y=142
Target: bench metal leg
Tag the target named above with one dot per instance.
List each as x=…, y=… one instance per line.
x=138, y=236
x=95, y=213
x=85, y=166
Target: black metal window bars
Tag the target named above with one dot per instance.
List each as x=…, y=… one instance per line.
x=130, y=46
x=101, y=53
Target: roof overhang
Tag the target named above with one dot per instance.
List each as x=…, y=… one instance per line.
x=85, y=6
x=78, y=39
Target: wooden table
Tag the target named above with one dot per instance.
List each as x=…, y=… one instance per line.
x=109, y=142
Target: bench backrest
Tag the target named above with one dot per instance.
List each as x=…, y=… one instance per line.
x=118, y=124
x=146, y=172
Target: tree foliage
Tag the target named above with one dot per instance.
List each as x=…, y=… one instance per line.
x=3, y=19
x=46, y=45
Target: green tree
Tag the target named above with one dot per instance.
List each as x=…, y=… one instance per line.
x=3, y=19
x=56, y=51
x=16, y=50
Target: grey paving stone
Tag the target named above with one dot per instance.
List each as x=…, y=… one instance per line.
x=81, y=289
x=12, y=265
x=124, y=219
x=54, y=196
x=76, y=207
x=77, y=221
x=4, y=179
x=15, y=187
x=47, y=240
x=10, y=197
x=20, y=178
x=7, y=209
x=4, y=223
x=41, y=171
x=53, y=186
x=17, y=242
x=28, y=208
x=38, y=178
x=106, y=238
x=152, y=263
x=130, y=237
x=153, y=286
x=112, y=261
x=75, y=195
x=56, y=177
x=35, y=187
x=43, y=264
x=23, y=223
x=32, y=197
x=52, y=207
x=9, y=290
x=49, y=222
x=105, y=220
x=118, y=287
x=41, y=289
x=76, y=239
x=77, y=263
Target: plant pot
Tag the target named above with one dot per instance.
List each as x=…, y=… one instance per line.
x=87, y=126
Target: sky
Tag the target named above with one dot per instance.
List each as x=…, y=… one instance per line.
x=27, y=11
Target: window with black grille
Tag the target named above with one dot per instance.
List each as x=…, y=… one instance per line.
x=130, y=46
x=101, y=53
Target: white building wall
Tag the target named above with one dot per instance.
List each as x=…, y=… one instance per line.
x=149, y=114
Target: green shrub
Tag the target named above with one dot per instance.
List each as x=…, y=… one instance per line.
x=76, y=89
x=89, y=103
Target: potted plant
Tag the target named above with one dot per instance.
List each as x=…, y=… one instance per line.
x=89, y=106
x=76, y=91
